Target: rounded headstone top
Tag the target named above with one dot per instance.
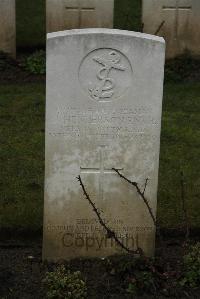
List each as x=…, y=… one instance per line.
x=105, y=31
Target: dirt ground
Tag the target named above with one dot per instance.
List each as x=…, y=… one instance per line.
x=12, y=71
x=22, y=271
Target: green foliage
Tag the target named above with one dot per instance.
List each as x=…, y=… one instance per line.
x=36, y=63
x=191, y=267
x=64, y=284
x=137, y=273
x=142, y=281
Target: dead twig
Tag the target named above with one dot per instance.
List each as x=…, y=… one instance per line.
x=109, y=233
x=159, y=28
x=142, y=195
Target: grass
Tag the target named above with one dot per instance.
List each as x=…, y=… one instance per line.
x=22, y=155
x=180, y=144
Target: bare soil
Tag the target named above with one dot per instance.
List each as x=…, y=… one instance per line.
x=22, y=271
x=12, y=71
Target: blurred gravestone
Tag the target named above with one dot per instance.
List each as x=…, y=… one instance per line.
x=71, y=14
x=178, y=21
x=7, y=27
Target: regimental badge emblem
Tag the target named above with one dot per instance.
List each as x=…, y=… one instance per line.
x=105, y=74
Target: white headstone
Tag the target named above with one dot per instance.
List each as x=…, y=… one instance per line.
x=7, y=27
x=177, y=21
x=103, y=111
x=72, y=14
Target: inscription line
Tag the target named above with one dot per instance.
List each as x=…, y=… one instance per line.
x=174, y=7
x=77, y=8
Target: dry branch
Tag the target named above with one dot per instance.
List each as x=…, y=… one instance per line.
x=142, y=195
x=109, y=233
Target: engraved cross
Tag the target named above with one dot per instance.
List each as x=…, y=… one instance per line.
x=102, y=170
x=177, y=7
x=80, y=9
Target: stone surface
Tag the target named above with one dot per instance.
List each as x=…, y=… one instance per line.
x=177, y=21
x=103, y=111
x=7, y=27
x=72, y=14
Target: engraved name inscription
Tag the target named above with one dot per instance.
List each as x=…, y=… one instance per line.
x=75, y=122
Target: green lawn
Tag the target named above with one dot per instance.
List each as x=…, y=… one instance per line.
x=180, y=151
x=31, y=20
x=22, y=155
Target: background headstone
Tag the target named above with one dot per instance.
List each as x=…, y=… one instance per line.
x=7, y=27
x=103, y=111
x=177, y=21
x=72, y=14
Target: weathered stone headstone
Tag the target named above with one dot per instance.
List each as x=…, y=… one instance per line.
x=72, y=14
x=103, y=111
x=177, y=21
x=7, y=27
